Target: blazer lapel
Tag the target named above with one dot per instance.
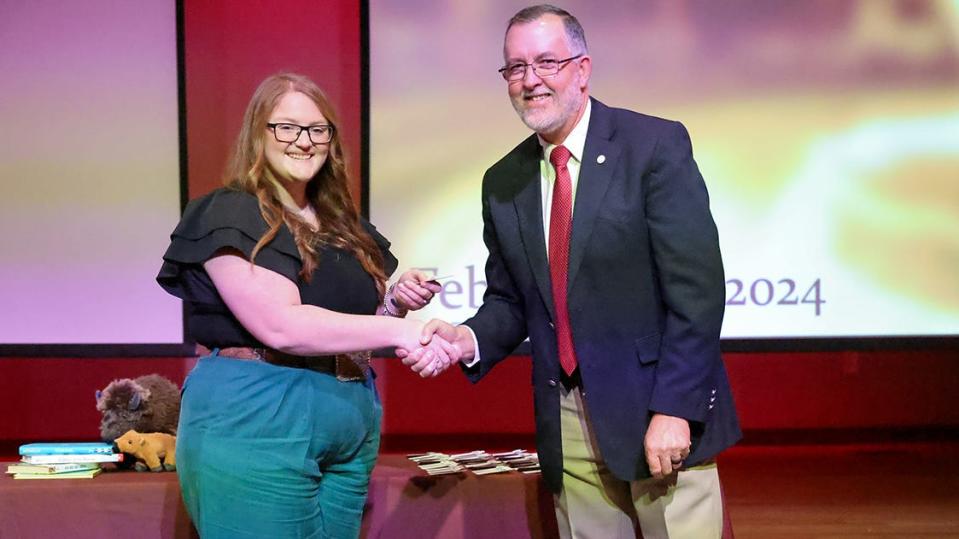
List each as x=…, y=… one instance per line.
x=600, y=157
x=529, y=210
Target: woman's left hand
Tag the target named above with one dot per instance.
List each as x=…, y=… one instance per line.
x=414, y=290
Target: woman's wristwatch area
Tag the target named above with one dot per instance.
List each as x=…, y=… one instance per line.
x=390, y=308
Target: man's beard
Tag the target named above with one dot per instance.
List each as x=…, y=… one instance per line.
x=548, y=120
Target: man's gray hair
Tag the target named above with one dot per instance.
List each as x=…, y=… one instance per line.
x=574, y=30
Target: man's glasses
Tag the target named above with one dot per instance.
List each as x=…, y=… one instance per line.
x=318, y=134
x=542, y=68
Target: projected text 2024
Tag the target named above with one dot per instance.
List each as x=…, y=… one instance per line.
x=764, y=292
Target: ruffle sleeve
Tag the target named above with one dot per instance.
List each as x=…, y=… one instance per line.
x=223, y=218
x=390, y=262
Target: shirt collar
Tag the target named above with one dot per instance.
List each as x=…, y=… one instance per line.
x=576, y=140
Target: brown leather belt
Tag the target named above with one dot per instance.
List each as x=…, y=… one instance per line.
x=353, y=367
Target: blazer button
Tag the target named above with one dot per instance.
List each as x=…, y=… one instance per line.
x=552, y=325
x=551, y=383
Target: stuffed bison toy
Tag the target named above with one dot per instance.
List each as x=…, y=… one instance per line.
x=148, y=403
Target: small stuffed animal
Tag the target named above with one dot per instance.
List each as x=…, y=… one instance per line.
x=150, y=448
x=148, y=403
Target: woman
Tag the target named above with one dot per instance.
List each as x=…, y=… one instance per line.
x=279, y=427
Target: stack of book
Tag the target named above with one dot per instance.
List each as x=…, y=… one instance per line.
x=62, y=460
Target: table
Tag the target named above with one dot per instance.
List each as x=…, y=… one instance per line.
x=403, y=502
x=113, y=504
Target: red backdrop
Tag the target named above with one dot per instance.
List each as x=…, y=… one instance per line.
x=228, y=50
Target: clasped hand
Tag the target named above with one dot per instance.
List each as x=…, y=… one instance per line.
x=440, y=346
x=426, y=355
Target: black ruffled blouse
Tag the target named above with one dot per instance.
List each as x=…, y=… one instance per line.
x=230, y=218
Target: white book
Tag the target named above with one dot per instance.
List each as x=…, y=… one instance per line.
x=50, y=469
x=60, y=459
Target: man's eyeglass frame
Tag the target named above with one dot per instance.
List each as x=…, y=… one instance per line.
x=536, y=65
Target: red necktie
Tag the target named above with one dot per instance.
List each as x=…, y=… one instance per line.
x=560, y=226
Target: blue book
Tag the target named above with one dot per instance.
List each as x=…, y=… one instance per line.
x=67, y=448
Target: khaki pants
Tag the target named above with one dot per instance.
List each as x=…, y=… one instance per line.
x=595, y=504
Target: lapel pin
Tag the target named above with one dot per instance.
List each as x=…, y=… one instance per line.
x=601, y=159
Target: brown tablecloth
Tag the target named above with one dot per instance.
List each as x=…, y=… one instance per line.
x=403, y=502
x=112, y=504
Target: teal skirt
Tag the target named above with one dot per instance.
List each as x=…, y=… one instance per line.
x=269, y=451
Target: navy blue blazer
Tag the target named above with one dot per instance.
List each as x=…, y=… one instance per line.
x=646, y=291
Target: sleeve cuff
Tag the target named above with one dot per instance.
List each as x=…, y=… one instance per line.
x=476, y=356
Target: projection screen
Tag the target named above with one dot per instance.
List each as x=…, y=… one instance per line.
x=89, y=162
x=827, y=133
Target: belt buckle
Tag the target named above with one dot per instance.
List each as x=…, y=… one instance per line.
x=353, y=366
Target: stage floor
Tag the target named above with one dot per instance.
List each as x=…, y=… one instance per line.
x=843, y=491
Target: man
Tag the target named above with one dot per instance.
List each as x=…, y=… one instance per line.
x=602, y=251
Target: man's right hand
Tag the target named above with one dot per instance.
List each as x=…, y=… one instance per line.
x=459, y=337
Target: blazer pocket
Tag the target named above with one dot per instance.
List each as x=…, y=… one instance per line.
x=617, y=216
x=647, y=348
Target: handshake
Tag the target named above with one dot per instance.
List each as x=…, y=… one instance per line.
x=430, y=348
x=440, y=345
